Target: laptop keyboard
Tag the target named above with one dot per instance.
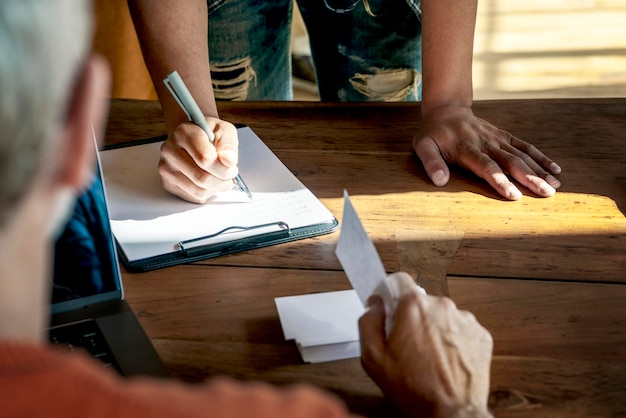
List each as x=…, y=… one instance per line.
x=84, y=336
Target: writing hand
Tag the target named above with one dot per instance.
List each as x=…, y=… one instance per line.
x=453, y=134
x=193, y=168
x=437, y=359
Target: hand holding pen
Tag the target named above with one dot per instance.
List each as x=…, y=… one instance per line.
x=199, y=159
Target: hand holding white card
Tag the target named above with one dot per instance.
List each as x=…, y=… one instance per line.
x=362, y=264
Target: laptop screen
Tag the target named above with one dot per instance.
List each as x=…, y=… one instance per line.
x=85, y=263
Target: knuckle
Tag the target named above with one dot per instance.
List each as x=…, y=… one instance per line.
x=368, y=357
x=488, y=338
x=447, y=304
x=204, y=159
x=163, y=168
x=409, y=302
x=201, y=178
x=512, y=161
x=166, y=149
x=469, y=317
x=200, y=196
x=530, y=148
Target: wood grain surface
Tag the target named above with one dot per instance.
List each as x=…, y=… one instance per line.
x=546, y=276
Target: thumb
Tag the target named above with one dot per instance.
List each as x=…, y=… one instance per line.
x=227, y=144
x=228, y=157
x=402, y=283
x=428, y=152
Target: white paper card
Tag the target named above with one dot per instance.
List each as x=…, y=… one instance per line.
x=357, y=254
x=323, y=325
x=362, y=264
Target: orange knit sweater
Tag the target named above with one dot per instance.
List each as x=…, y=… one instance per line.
x=43, y=382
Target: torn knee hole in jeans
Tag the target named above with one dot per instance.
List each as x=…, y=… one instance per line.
x=389, y=85
x=231, y=80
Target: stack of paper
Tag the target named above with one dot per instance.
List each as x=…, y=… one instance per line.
x=323, y=325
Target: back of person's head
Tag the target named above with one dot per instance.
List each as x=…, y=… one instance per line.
x=41, y=42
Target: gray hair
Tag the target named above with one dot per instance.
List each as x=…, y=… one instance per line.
x=41, y=42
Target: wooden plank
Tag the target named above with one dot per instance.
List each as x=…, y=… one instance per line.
x=532, y=318
x=577, y=321
x=552, y=388
x=560, y=348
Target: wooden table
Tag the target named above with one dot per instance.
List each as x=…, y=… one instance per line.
x=547, y=277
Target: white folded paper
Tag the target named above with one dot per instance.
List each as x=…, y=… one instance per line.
x=323, y=325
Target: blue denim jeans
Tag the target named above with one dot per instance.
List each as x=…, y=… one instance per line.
x=363, y=50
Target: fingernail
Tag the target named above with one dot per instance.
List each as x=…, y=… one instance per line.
x=439, y=178
x=546, y=190
x=555, y=168
x=228, y=157
x=553, y=181
x=514, y=193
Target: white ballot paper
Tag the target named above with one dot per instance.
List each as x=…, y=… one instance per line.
x=325, y=325
x=361, y=262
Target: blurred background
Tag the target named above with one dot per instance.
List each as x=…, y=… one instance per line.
x=522, y=49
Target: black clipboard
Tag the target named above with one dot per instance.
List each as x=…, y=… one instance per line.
x=132, y=183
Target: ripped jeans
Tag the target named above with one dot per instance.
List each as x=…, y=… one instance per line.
x=363, y=50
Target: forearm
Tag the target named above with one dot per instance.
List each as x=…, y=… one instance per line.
x=173, y=36
x=447, y=50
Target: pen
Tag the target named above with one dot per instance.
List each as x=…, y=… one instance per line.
x=181, y=94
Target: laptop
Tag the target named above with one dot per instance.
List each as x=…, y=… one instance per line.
x=88, y=308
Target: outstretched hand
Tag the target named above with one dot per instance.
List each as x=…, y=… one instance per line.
x=436, y=361
x=193, y=168
x=452, y=134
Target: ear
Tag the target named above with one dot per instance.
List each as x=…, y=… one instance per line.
x=87, y=110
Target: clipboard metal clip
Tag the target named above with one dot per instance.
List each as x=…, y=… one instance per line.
x=275, y=231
